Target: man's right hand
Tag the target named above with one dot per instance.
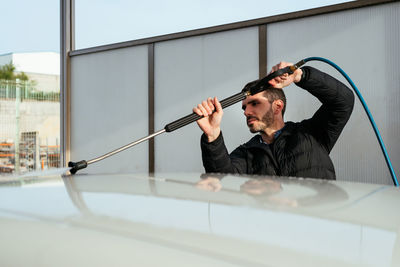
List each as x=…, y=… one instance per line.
x=212, y=112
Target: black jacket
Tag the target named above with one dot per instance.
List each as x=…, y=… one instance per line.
x=302, y=149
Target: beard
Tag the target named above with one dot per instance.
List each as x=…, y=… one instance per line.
x=260, y=125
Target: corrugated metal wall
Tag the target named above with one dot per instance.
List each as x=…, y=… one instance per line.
x=109, y=108
x=188, y=71
x=365, y=44
x=109, y=98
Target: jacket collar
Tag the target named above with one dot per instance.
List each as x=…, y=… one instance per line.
x=256, y=141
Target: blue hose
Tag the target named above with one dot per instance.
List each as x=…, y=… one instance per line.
x=389, y=164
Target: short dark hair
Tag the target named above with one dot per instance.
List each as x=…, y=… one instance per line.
x=273, y=94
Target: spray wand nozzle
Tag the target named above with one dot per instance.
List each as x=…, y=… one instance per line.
x=76, y=166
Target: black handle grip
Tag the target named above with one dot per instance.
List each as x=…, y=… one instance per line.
x=260, y=85
x=251, y=88
x=179, y=123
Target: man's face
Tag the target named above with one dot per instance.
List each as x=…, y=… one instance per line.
x=258, y=112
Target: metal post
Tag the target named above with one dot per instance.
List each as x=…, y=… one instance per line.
x=58, y=153
x=25, y=90
x=37, y=151
x=47, y=153
x=17, y=117
x=67, y=44
x=7, y=89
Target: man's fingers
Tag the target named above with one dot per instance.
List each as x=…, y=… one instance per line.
x=280, y=65
x=282, y=80
x=217, y=104
x=210, y=104
x=207, y=107
x=202, y=110
x=197, y=111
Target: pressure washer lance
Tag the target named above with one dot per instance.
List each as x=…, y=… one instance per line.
x=251, y=88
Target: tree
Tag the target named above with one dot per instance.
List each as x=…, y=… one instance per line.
x=7, y=72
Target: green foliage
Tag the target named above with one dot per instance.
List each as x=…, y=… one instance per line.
x=22, y=76
x=7, y=72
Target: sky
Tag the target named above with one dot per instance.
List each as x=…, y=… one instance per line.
x=34, y=26
x=29, y=26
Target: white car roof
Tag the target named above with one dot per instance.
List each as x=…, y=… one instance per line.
x=193, y=219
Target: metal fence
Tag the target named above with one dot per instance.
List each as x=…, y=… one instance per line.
x=29, y=139
x=28, y=91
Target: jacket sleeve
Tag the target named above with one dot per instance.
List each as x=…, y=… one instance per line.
x=217, y=160
x=337, y=105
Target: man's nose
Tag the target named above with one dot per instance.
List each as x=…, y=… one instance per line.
x=247, y=111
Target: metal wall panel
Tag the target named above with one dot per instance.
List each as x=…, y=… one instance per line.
x=190, y=70
x=109, y=108
x=365, y=44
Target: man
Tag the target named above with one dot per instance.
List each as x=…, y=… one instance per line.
x=282, y=148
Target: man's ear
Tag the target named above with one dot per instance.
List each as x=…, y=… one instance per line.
x=278, y=106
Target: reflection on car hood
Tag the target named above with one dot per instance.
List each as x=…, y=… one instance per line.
x=182, y=219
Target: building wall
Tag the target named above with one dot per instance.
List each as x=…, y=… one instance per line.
x=6, y=59
x=41, y=67
x=45, y=82
x=38, y=62
x=42, y=117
